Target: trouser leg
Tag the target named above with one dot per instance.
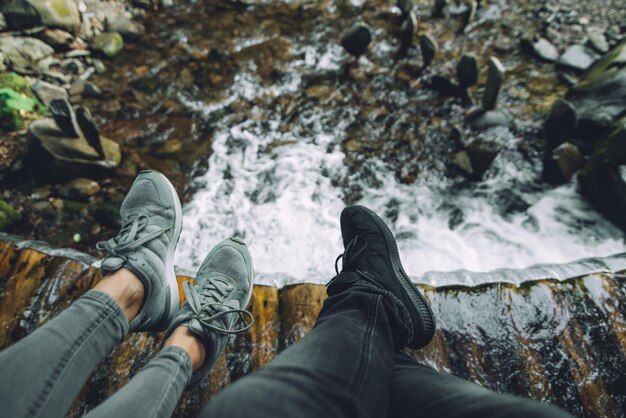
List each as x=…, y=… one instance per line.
x=341, y=369
x=154, y=391
x=42, y=373
x=419, y=391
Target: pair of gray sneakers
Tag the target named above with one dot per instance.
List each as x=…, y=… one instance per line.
x=151, y=224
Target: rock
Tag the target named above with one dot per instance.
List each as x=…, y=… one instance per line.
x=467, y=70
x=407, y=31
x=61, y=14
x=569, y=159
x=603, y=179
x=24, y=52
x=3, y=66
x=3, y=23
x=89, y=130
x=19, y=14
x=428, y=47
x=85, y=88
x=167, y=3
x=481, y=152
x=438, y=7
x=357, y=39
x=64, y=117
x=495, y=75
x=107, y=44
x=469, y=15
x=125, y=26
x=462, y=161
x=58, y=39
x=142, y=4
x=598, y=42
x=446, y=87
x=541, y=48
x=57, y=156
x=79, y=189
x=558, y=128
x=46, y=92
x=578, y=57
x=8, y=215
x=480, y=119
x=405, y=6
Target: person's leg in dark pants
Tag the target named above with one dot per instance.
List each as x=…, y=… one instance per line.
x=344, y=366
x=417, y=391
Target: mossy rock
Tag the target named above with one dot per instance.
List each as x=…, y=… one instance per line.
x=107, y=44
x=8, y=215
x=15, y=107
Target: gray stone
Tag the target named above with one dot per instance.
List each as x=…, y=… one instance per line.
x=89, y=130
x=79, y=189
x=64, y=117
x=99, y=66
x=61, y=14
x=462, y=161
x=24, y=52
x=467, y=70
x=357, y=39
x=46, y=92
x=3, y=23
x=578, y=57
x=19, y=14
x=569, y=159
x=598, y=42
x=56, y=156
x=58, y=39
x=107, y=44
x=480, y=119
x=481, y=152
x=78, y=53
x=495, y=76
x=85, y=88
x=428, y=47
x=470, y=14
x=167, y=3
x=542, y=48
x=125, y=26
x=73, y=66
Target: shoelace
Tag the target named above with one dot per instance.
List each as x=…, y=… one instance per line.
x=127, y=239
x=205, y=306
x=349, y=254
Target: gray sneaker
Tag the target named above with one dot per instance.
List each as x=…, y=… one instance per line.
x=151, y=224
x=217, y=300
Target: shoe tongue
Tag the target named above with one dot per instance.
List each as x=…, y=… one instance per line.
x=112, y=263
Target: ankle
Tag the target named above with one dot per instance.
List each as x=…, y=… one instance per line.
x=126, y=288
x=183, y=338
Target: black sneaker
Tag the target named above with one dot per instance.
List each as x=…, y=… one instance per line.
x=371, y=252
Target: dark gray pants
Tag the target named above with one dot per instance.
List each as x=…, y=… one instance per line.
x=346, y=367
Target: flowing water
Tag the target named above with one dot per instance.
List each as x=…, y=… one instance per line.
x=282, y=190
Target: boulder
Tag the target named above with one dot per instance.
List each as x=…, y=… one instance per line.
x=23, y=14
x=46, y=92
x=578, y=57
x=24, y=52
x=54, y=155
x=495, y=76
x=107, y=44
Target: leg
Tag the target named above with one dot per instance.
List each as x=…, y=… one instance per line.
x=419, y=391
x=343, y=367
x=195, y=339
x=43, y=373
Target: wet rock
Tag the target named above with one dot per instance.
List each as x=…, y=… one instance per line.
x=107, y=44
x=89, y=130
x=46, y=92
x=578, y=57
x=125, y=26
x=64, y=117
x=428, y=47
x=480, y=119
x=357, y=39
x=598, y=42
x=467, y=70
x=558, y=128
x=446, y=87
x=569, y=159
x=24, y=52
x=438, y=8
x=19, y=14
x=481, y=152
x=58, y=39
x=603, y=179
x=541, y=48
x=407, y=31
x=54, y=155
x=79, y=189
x=462, y=161
x=495, y=75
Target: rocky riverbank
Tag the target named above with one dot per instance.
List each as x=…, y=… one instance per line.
x=426, y=87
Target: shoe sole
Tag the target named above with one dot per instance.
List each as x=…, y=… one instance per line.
x=419, y=301
x=171, y=280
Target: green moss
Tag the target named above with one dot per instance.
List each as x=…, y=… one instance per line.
x=60, y=7
x=16, y=102
x=15, y=82
x=8, y=215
